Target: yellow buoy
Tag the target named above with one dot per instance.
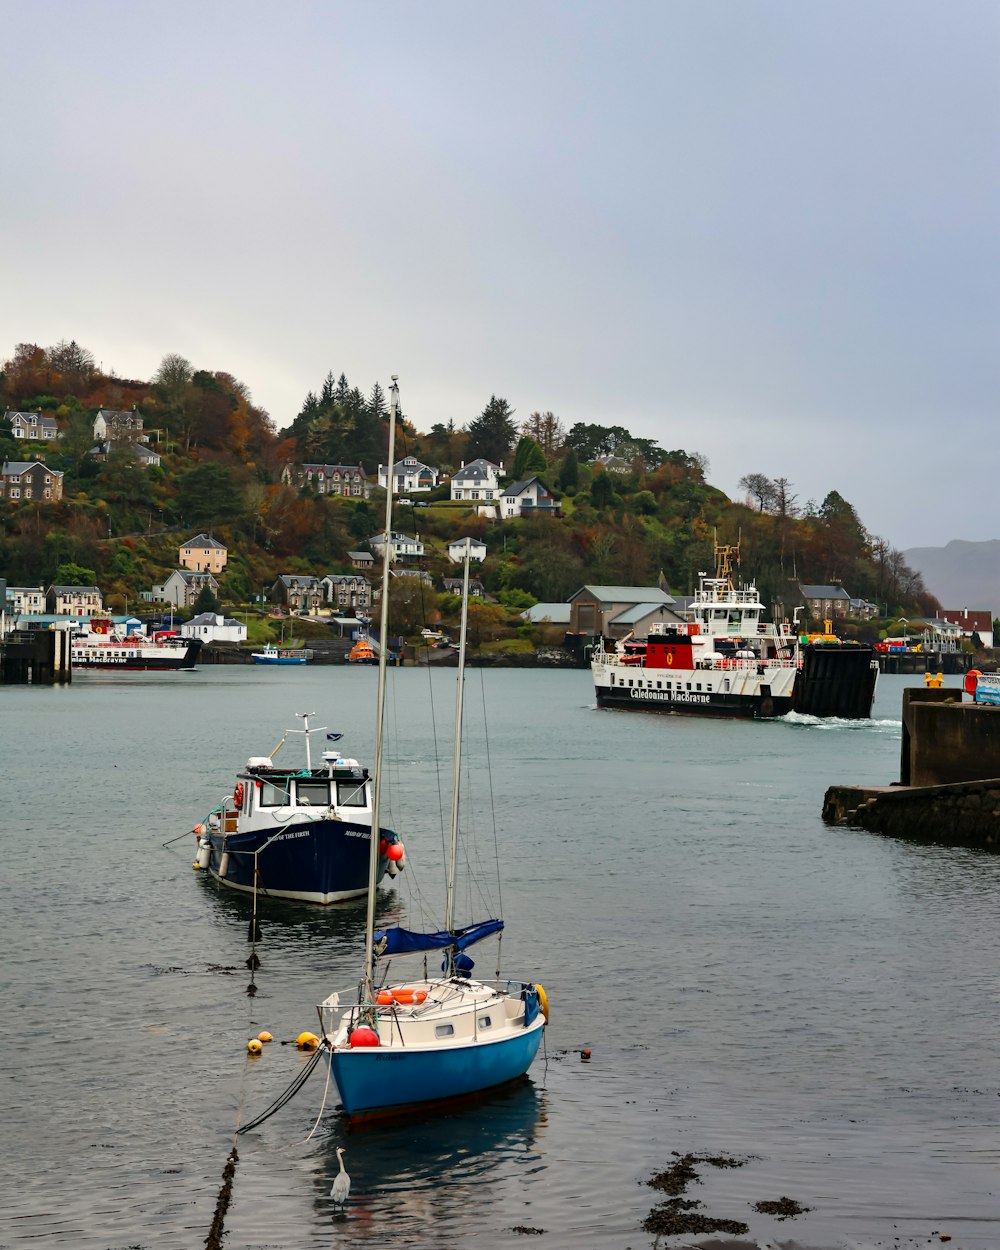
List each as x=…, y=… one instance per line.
x=264, y=1036
x=196, y=865
x=543, y=1000
x=307, y=1041
x=254, y=1046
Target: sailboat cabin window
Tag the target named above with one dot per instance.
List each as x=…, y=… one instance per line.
x=444, y=1030
x=351, y=794
x=312, y=793
x=485, y=1022
x=274, y=793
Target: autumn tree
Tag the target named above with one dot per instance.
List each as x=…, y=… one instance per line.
x=74, y=364
x=547, y=431
x=760, y=487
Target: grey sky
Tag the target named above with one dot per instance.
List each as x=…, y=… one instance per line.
x=766, y=232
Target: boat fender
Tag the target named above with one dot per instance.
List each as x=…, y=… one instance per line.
x=204, y=853
x=238, y=795
x=395, y=851
x=401, y=862
x=543, y=1000
x=224, y=865
x=392, y=868
x=363, y=1036
x=307, y=1041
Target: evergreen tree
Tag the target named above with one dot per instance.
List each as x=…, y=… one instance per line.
x=569, y=473
x=206, y=602
x=492, y=433
x=528, y=459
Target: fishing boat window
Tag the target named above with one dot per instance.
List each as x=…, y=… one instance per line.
x=312, y=793
x=444, y=1030
x=274, y=793
x=351, y=794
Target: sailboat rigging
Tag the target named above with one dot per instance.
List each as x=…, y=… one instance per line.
x=445, y=1037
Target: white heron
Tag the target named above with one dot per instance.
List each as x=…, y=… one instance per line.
x=341, y=1182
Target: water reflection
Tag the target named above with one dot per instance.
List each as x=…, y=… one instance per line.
x=458, y=1168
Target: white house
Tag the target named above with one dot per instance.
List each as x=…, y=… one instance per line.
x=528, y=497
x=456, y=549
x=401, y=546
x=408, y=476
x=26, y=599
x=39, y=427
x=210, y=627
x=477, y=481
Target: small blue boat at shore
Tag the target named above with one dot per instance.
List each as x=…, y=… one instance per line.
x=280, y=655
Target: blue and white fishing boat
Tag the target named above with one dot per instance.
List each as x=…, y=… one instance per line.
x=280, y=655
x=404, y=1047
x=298, y=833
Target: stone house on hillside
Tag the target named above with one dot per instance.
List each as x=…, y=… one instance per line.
x=329, y=479
x=183, y=587
x=30, y=479
x=38, y=427
x=74, y=600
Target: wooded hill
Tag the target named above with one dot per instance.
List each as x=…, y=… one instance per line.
x=634, y=513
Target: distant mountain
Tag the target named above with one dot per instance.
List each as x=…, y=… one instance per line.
x=962, y=574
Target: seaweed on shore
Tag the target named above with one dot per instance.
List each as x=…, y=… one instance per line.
x=678, y=1215
x=781, y=1209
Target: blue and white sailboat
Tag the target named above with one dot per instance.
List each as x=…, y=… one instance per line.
x=404, y=1047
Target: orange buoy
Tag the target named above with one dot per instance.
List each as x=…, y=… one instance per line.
x=395, y=851
x=363, y=1036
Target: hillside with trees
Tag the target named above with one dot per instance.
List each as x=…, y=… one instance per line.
x=633, y=512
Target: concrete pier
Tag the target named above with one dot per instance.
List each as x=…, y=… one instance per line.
x=949, y=783
x=41, y=657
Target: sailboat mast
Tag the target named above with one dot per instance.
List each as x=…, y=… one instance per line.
x=383, y=652
x=449, y=906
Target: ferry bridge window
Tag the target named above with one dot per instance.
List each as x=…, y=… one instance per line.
x=351, y=794
x=312, y=793
x=274, y=793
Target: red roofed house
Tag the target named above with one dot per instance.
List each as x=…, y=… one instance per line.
x=971, y=622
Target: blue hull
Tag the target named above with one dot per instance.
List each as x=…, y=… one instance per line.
x=317, y=861
x=379, y=1081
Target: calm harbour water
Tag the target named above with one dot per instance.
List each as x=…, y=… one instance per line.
x=748, y=981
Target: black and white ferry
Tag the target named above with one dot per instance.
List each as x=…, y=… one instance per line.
x=106, y=649
x=727, y=659
x=297, y=833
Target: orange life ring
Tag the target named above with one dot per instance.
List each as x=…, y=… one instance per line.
x=670, y=657
x=972, y=680
x=238, y=795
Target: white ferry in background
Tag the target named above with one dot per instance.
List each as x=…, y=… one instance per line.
x=105, y=649
x=727, y=659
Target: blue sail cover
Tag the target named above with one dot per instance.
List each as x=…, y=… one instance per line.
x=406, y=942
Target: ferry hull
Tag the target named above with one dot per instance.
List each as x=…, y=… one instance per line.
x=748, y=707
x=318, y=861
x=383, y=1081
x=136, y=659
